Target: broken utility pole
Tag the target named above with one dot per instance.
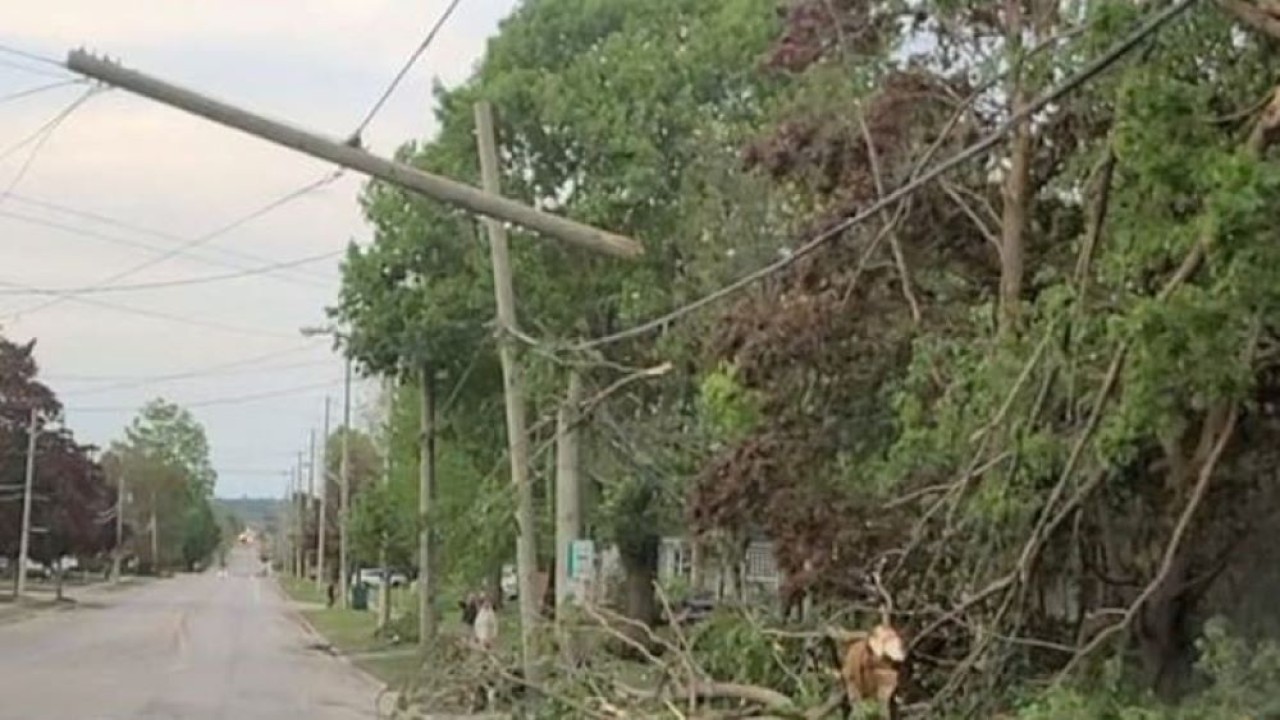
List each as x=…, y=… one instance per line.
x=513, y=393
x=355, y=158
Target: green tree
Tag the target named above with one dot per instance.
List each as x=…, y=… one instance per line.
x=609, y=112
x=165, y=457
x=171, y=434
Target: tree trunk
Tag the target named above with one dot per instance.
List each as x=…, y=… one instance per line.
x=1017, y=187
x=1164, y=635
x=640, y=571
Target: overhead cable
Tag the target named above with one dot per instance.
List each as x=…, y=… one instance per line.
x=194, y=242
x=48, y=126
x=233, y=400
x=164, y=284
x=148, y=382
x=159, y=315
x=38, y=89
x=132, y=228
x=408, y=64
x=208, y=370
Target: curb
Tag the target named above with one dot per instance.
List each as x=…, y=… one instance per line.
x=297, y=616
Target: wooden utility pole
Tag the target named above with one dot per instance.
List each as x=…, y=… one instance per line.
x=155, y=537
x=24, y=540
x=299, y=550
x=384, y=607
x=568, y=486
x=513, y=391
x=119, y=553
x=350, y=155
x=308, y=504
x=427, y=579
x=344, y=486
x=322, y=523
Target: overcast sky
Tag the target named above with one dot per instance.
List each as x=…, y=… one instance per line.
x=320, y=64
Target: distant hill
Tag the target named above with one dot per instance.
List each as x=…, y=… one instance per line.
x=259, y=513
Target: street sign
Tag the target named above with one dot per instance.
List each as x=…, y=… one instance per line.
x=581, y=567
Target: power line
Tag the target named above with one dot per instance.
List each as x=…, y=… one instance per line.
x=190, y=376
x=38, y=89
x=43, y=138
x=234, y=400
x=156, y=315
x=95, y=235
x=133, y=228
x=1086, y=73
x=194, y=242
x=165, y=284
x=49, y=124
x=32, y=71
x=28, y=55
x=408, y=64
x=209, y=370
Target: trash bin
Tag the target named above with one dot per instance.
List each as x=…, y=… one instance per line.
x=360, y=596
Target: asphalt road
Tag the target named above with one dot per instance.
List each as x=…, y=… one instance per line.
x=195, y=647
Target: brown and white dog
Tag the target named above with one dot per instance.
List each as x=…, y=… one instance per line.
x=871, y=668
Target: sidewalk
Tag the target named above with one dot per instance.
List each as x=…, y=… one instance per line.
x=41, y=599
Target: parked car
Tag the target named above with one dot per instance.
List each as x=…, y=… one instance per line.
x=373, y=576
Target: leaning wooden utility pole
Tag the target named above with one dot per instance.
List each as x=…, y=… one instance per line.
x=513, y=391
x=350, y=155
x=568, y=487
x=24, y=540
x=427, y=578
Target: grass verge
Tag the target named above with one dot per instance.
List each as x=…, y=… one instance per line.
x=353, y=633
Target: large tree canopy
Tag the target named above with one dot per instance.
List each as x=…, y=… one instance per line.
x=1038, y=393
